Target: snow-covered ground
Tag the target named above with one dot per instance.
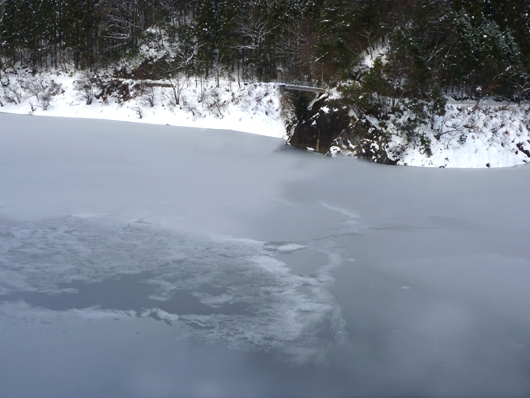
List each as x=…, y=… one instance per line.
x=247, y=107
x=471, y=135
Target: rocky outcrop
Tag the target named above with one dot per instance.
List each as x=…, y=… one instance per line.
x=332, y=126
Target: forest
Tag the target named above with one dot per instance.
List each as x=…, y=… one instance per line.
x=463, y=48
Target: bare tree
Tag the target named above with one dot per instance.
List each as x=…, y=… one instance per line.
x=177, y=72
x=85, y=87
x=253, y=29
x=125, y=20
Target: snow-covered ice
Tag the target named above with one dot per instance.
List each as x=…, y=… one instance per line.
x=147, y=260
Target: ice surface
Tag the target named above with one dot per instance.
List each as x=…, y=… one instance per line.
x=247, y=299
x=169, y=262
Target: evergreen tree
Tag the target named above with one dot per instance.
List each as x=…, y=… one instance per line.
x=80, y=31
x=229, y=13
x=340, y=39
x=461, y=45
x=11, y=29
x=207, y=27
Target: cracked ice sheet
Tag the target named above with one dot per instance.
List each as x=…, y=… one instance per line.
x=226, y=292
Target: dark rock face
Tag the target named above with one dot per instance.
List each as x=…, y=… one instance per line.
x=320, y=126
x=332, y=125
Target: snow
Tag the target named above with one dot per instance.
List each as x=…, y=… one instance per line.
x=372, y=53
x=290, y=247
x=249, y=107
x=490, y=134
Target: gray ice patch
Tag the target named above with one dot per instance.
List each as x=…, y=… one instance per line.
x=229, y=292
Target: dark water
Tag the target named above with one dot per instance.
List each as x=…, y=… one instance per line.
x=150, y=261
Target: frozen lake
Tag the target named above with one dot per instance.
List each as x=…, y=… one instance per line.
x=153, y=261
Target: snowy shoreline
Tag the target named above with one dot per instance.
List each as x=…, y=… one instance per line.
x=469, y=135
x=250, y=107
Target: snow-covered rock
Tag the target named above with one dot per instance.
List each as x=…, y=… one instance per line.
x=467, y=135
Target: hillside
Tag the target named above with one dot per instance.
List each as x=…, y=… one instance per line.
x=248, y=107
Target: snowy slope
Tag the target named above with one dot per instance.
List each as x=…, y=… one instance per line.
x=248, y=107
x=490, y=134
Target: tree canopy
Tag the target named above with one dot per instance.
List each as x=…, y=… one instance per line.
x=464, y=47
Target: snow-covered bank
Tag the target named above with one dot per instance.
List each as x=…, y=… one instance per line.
x=463, y=134
x=247, y=107
x=490, y=134
x=467, y=135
